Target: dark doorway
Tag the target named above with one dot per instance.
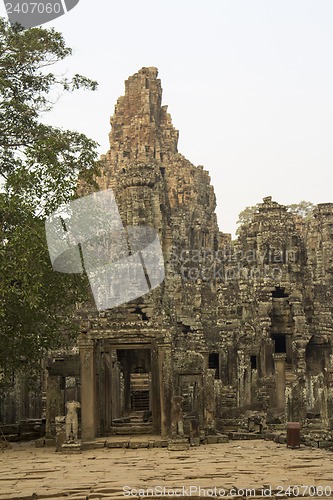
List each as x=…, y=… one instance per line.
x=253, y=362
x=128, y=395
x=280, y=343
x=214, y=363
x=136, y=370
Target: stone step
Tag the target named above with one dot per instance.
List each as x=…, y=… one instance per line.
x=131, y=424
x=243, y=435
x=127, y=430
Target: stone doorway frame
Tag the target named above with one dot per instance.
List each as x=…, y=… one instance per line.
x=113, y=391
x=161, y=379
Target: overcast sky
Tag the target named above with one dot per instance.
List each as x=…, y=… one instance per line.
x=249, y=85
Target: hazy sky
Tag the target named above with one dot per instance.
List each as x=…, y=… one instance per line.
x=249, y=85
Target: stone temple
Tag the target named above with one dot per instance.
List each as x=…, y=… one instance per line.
x=237, y=339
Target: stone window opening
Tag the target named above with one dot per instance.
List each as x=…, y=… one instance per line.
x=279, y=293
x=253, y=361
x=280, y=343
x=214, y=363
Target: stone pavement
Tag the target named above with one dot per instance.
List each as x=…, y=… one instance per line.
x=27, y=472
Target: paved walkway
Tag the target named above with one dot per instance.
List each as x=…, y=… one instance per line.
x=27, y=472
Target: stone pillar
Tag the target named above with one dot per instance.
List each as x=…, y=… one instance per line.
x=206, y=359
x=247, y=385
x=280, y=379
x=266, y=357
x=114, y=399
x=155, y=390
x=301, y=377
x=166, y=389
x=88, y=397
x=60, y=428
x=127, y=386
x=54, y=403
x=177, y=422
x=209, y=398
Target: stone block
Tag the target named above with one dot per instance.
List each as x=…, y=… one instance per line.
x=211, y=440
x=51, y=442
x=117, y=444
x=223, y=438
x=60, y=432
x=161, y=443
x=178, y=445
x=40, y=443
x=195, y=441
x=71, y=448
x=92, y=445
x=138, y=444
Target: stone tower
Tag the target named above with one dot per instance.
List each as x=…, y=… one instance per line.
x=239, y=335
x=153, y=183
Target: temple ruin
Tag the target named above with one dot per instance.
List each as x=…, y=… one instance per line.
x=238, y=337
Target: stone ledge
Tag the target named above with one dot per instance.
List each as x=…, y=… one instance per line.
x=244, y=436
x=92, y=445
x=71, y=448
x=138, y=444
x=117, y=444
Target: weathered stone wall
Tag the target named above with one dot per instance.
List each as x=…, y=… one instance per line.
x=240, y=331
x=255, y=313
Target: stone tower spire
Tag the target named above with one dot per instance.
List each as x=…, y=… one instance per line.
x=142, y=129
x=154, y=184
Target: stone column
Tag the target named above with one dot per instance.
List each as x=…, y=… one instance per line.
x=266, y=357
x=127, y=386
x=54, y=403
x=206, y=359
x=166, y=389
x=88, y=397
x=247, y=385
x=301, y=377
x=155, y=390
x=209, y=399
x=280, y=379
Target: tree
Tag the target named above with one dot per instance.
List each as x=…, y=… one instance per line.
x=39, y=170
x=246, y=215
x=302, y=209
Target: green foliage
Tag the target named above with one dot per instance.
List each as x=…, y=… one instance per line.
x=303, y=209
x=246, y=215
x=39, y=170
